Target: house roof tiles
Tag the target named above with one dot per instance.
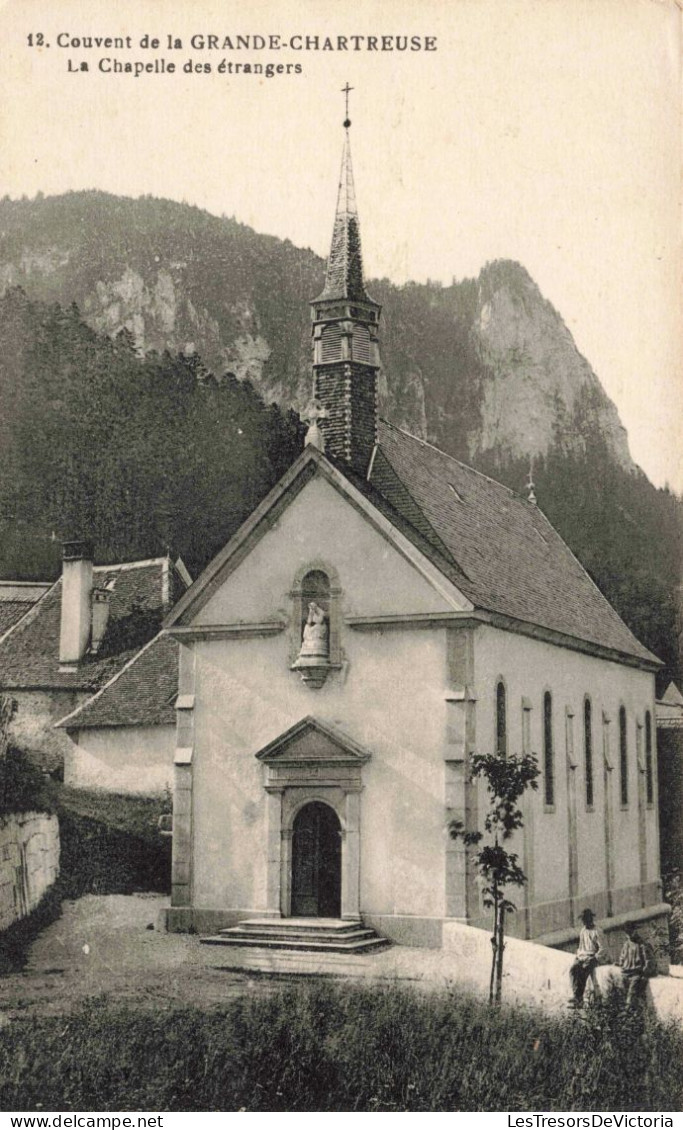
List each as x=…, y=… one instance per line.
x=10, y=612
x=16, y=598
x=141, y=694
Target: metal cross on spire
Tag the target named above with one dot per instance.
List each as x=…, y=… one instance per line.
x=346, y=90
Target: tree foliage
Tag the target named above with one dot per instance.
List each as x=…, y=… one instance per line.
x=140, y=454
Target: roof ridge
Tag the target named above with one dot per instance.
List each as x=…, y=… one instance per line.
x=130, y=565
x=452, y=458
x=25, y=584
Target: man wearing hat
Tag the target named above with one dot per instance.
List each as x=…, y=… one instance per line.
x=633, y=962
x=590, y=952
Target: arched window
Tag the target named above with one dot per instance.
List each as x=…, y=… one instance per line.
x=501, y=721
x=623, y=756
x=649, y=771
x=548, y=758
x=588, y=749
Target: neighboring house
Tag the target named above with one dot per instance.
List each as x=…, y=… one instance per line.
x=82, y=631
x=385, y=613
x=669, y=715
x=123, y=738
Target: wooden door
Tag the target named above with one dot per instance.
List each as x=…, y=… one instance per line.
x=316, y=863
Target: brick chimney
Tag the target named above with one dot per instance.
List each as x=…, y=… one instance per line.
x=76, y=620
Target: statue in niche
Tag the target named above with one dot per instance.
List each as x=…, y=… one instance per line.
x=315, y=642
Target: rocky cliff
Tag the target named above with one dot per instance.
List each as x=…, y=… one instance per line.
x=538, y=389
x=484, y=367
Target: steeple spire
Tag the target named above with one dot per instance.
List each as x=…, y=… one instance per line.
x=345, y=348
x=344, y=278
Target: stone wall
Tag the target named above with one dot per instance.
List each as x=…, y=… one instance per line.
x=29, y=862
x=538, y=975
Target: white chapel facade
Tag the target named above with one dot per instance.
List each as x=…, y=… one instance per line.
x=385, y=613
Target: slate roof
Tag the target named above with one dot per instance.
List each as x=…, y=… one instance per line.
x=16, y=598
x=142, y=593
x=509, y=558
x=10, y=612
x=142, y=694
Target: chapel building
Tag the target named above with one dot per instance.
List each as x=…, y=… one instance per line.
x=385, y=613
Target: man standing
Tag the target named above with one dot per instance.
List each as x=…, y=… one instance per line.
x=633, y=962
x=589, y=953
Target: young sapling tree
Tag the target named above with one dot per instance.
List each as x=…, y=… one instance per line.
x=506, y=779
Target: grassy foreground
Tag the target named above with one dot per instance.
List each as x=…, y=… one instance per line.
x=330, y=1047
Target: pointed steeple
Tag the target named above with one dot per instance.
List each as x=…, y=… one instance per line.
x=344, y=278
x=345, y=345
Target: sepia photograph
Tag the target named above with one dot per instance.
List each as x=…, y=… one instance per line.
x=341, y=544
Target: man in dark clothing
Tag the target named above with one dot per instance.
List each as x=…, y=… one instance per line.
x=633, y=962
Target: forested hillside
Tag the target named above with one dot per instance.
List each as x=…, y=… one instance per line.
x=138, y=453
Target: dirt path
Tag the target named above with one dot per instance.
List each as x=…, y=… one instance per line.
x=110, y=944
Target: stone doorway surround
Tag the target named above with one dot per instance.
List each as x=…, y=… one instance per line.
x=312, y=761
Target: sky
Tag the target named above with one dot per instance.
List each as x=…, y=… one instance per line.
x=546, y=131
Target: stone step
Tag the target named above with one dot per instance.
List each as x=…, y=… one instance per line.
x=299, y=925
x=349, y=935
x=300, y=935
x=310, y=945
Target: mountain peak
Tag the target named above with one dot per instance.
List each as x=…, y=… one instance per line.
x=540, y=392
